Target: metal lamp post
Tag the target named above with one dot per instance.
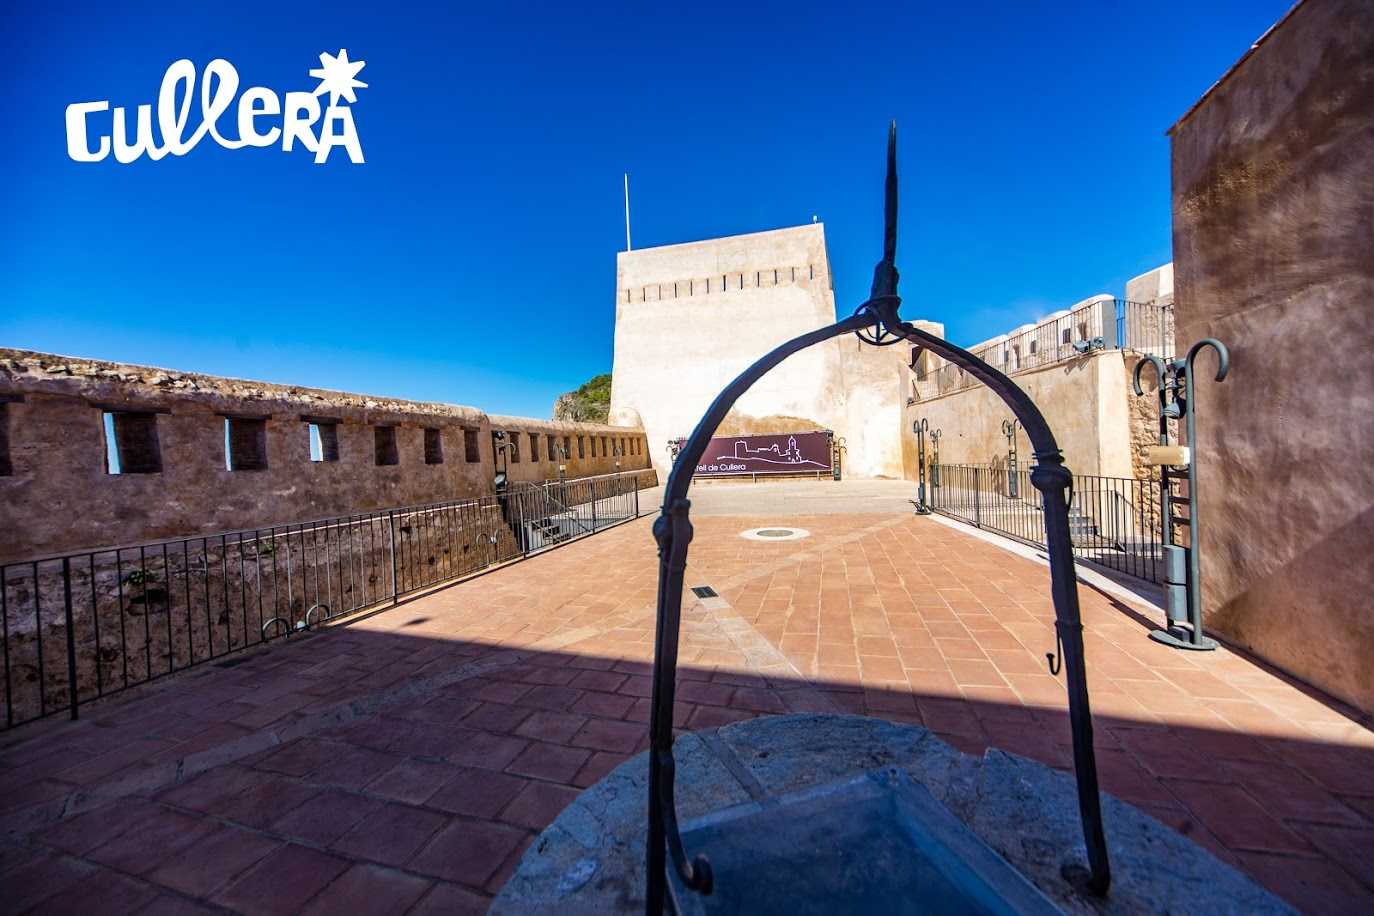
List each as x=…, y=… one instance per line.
x=935, y=435
x=500, y=448
x=1009, y=430
x=616, y=452
x=1182, y=567
x=675, y=448
x=561, y=454
x=920, y=428
x=875, y=322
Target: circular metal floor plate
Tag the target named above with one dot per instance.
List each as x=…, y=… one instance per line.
x=775, y=534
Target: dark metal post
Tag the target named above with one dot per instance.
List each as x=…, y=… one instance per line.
x=391, y=539
x=526, y=534
x=919, y=427
x=71, y=633
x=1194, y=548
x=876, y=322
x=977, y=500
x=1176, y=403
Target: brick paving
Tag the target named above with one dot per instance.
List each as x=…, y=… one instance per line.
x=404, y=762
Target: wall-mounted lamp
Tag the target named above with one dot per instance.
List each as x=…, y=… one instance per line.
x=1083, y=346
x=500, y=446
x=562, y=455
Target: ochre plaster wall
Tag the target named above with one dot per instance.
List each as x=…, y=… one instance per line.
x=1085, y=401
x=1273, y=206
x=59, y=497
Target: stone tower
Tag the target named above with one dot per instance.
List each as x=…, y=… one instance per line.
x=691, y=317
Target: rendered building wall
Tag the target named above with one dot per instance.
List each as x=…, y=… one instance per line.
x=1273, y=207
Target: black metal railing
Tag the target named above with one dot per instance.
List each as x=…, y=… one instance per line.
x=1120, y=324
x=83, y=626
x=1113, y=521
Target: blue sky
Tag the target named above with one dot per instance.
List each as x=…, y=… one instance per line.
x=471, y=259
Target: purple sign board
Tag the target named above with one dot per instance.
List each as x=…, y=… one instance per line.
x=789, y=453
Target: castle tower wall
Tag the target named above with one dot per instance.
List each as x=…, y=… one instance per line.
x=691, y=317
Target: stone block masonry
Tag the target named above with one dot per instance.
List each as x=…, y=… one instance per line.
x=96, y=454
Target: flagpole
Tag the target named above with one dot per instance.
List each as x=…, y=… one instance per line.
x=627, y=211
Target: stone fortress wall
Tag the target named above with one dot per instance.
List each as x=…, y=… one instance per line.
x=176, y=429
x=538, y=447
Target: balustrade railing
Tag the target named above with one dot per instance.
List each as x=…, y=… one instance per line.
x=1118, y=324
x=83, y=626
x=1113, y=521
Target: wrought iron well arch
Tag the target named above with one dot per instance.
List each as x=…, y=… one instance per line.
x=875, y=322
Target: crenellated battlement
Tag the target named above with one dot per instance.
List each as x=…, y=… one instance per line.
x=803, y=275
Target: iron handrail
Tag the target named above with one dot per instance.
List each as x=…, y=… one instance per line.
x=572, y=513
x=1137, y=327
x=129, y=615
x=1127, y=535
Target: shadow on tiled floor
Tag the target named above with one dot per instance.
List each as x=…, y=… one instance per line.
x=405, y=761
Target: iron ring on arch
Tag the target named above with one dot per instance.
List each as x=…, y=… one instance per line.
x=883, y=310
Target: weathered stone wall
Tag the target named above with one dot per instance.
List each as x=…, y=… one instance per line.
x=1273, y=207
x=691, y=317
x=1087, y=402
x=59, y=496
x=591, y=448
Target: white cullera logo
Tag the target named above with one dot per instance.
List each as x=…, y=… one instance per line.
x=217, y=90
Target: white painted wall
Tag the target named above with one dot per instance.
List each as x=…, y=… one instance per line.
x=678, y=344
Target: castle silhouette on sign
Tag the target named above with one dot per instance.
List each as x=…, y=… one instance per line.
x=772, y=454
x=792, y=455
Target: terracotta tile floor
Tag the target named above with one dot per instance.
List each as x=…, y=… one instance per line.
x=403, y=762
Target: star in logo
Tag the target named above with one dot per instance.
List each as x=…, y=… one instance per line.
x=336, y=76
